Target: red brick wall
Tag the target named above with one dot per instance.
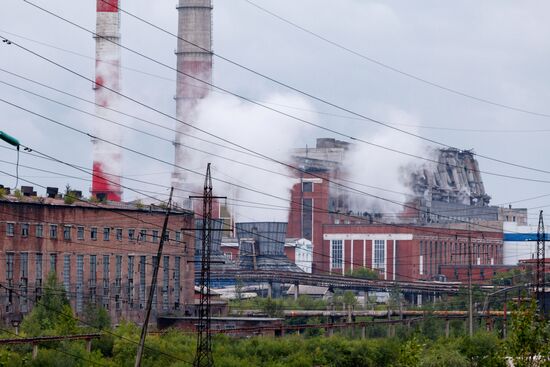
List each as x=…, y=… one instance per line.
x=440, y=246
x=89, y=216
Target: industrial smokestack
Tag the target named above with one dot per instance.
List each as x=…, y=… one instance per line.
x=194, y=58
x=107, y=159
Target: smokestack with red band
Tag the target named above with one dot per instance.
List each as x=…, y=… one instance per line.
x=107, y=158
x=194, y=60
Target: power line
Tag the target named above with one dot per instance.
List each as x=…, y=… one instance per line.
x=271, y=79
x=195, y=172
x=394, y=69
x=421, y=126
x=324, y=101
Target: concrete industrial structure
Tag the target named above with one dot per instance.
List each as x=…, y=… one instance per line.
x=194, y=65
x=101, y=253
x=107, y=166
x=262, y=247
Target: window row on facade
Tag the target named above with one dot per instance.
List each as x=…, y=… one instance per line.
x=89, y=278
x=94, y=233
x=436, y=253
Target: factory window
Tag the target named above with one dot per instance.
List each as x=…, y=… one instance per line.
x=307, y=218
x=106, y=233
x=39, y=230
x=177, y=261
x=155, y=264
x=106, y=276
x=155, y=236
x=514, y=218
x=24, y=265
x=38, y=269
x=142, y=270
x=93, y=278
x=178, y=236
x=307, y=186
x=93, y=233
x=53, y=230
x=118, y=272
x=131, y=234
x=53, y=263
x=167, y=236
x=9, y=266
x=24, y=229
x=165, y=282
x=379, y=254
x=10, y=229
x=80, y=232
x=142, y=235
x=67, y=233
x=119, y=234
x=482, y=274
x=130, y=292
x=79, y=282
x=336, y=254
x=67, y=273
x=24, y=271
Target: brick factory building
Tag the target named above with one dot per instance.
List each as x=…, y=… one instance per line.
x=406, y=252
x=431, y=231
x=101, y=253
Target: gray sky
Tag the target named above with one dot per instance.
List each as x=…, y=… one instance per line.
x=497, y=50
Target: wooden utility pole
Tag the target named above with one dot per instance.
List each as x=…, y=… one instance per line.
x=153, y=286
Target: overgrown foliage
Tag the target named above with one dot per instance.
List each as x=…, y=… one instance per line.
x=422, y=344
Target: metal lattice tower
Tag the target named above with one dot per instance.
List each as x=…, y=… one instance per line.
x=540, y=287
x=203, y=355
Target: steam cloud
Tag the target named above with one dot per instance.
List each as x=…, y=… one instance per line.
x=260, y=130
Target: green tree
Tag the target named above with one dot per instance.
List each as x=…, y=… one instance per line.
x=96, y=316
x=52, y=314
x=482, y=350
x=528, y=341
x=364, y=273
x=410, y=353
x=443, y=355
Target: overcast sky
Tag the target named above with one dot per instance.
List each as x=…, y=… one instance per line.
x=495, y=50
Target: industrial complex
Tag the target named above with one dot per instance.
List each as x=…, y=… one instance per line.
x=444, y=233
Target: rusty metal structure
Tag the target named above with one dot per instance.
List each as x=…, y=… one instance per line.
x=262, y=247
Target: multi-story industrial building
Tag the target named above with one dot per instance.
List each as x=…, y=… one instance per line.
x=447, y=204
x=101, y=253
x=406, y=252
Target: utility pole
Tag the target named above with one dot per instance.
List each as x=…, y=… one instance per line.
x=470, y=298
x=153, y=287
x=203, y=355
x=540, y=281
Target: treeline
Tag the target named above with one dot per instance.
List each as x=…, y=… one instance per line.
x=421, y=345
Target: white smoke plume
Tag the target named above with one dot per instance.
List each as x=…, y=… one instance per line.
x=260, y=130
x=384, y=169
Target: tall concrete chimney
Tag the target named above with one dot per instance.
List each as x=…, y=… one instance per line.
x=195, y=26
x=107, y=159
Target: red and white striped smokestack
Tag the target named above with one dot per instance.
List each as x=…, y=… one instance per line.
x=107, y=159
x=195, y=26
